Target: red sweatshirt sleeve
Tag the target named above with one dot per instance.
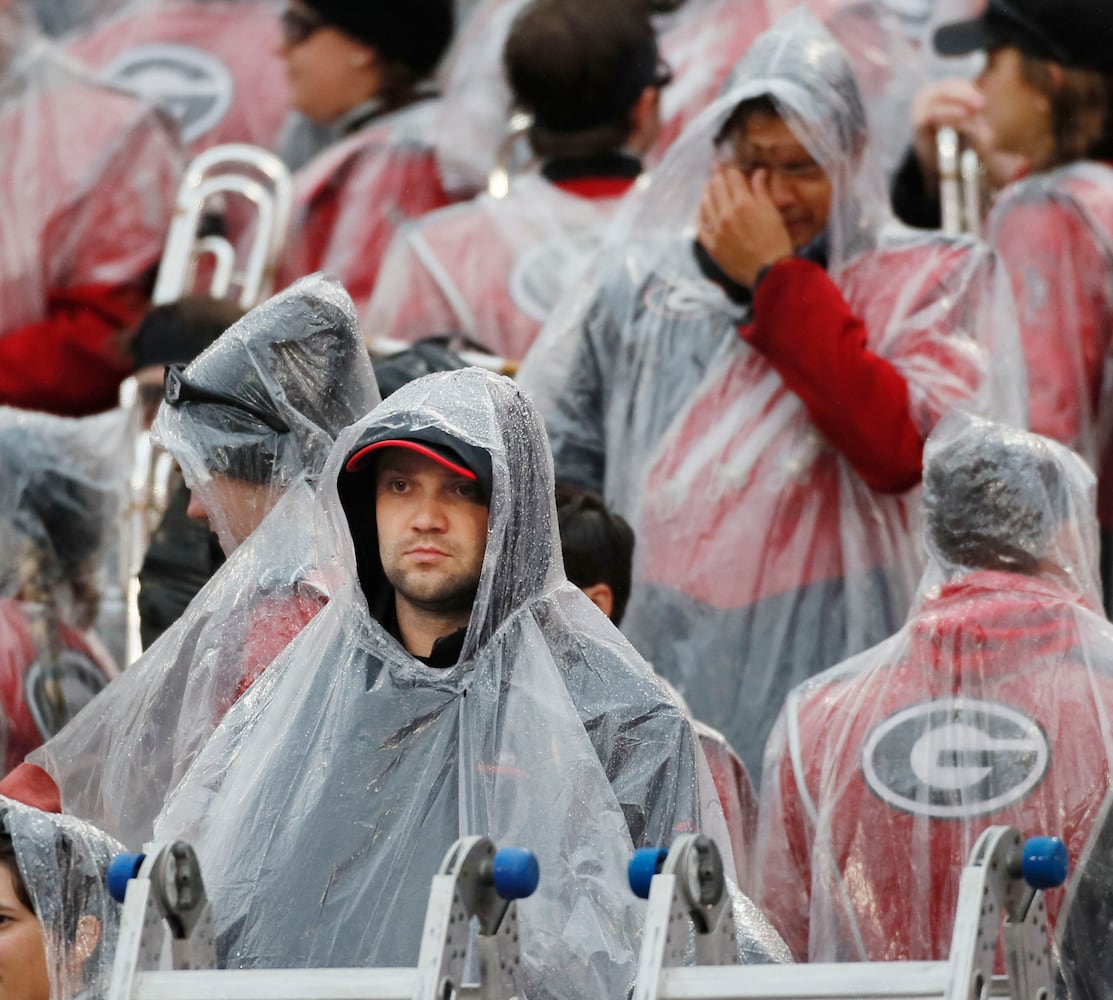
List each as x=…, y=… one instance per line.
x=72, y=362
x=31, y=785
x=857, y=399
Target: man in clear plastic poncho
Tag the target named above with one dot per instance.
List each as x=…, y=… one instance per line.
x=755, y=402
x=456, y=684
x=60, y=923
x=993, y=705
x=250, y=421
x=61, y=491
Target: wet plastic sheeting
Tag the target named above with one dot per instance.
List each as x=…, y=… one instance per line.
x=490, y=270
x=332, y=790
x=296, y=362
x=299, y=358
x=87, y=182
x=63, y=862
x=992, y=705
x=61, y=490
x=763, y=556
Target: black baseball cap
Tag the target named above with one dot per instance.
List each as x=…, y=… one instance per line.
x=455, y=455
x=1073, y=33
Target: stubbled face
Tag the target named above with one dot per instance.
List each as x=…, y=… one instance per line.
x=432, y=527
x=328, y=71
x=233, y=508
x=1018, y=115
x=798, y=185
x=23, y=972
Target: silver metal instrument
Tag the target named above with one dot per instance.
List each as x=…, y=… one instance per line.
x=251, y=191
x=960, y=184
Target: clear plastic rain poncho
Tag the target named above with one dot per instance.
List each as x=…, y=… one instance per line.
x=214, y=65
x=1054, y=235
x=61, y=487
x=701, y=41
x=490, y=271
x=87, y=184
x=350, y=199
x=62, y=863
x=992, y=705
x=300, y=356
x=260, y=408
x=323, y=805
x=764, y=555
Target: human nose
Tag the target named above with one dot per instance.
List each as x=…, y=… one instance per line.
x=780, y=189
x=429, y=515
x=196, y=509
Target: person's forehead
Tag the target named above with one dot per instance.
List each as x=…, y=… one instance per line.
x=765, y=130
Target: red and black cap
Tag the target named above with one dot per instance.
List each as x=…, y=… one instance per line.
x=455, y=455
x=1073, y=33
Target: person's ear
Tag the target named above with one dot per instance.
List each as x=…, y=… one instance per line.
x=601, y=595
x=645, y=121
x=87, y=938
x=1056, y=76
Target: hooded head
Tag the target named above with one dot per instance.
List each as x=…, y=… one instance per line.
x=261, y=407
x=55, y=883
x=60, y=489
x=799, y=74
x=486, y=427
x=414, y=34
x=999, y=498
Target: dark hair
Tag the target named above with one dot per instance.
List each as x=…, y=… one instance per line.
x=9, y=861
x=994, y=502
x=1081, y=110
x=597, y=543
x=174, y=333
x=579, y=67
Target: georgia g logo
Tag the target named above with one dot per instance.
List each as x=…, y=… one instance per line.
x=193, y=86
x=955, y=758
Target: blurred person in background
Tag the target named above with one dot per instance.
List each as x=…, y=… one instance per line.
x=494, y=267
x=598, y=549
x=61, y=486
x=1044, y=103
x=87, y=186
x=362, y=70
x=212, y=65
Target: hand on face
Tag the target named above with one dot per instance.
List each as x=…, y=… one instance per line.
x=740, y=226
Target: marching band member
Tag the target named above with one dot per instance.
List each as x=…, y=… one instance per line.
x=87, y=186
x=491, y=269
x=754, y=397
x=993, y=705
x=361, y=69
x=250, y=422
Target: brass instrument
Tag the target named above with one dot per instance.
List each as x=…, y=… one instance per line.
x=960, y=184
x=253, y=188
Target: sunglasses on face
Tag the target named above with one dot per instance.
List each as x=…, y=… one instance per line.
x=297, y=26
x=178, y=390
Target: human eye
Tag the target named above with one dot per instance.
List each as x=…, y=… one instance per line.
x=803, y=169
x=467, y=489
